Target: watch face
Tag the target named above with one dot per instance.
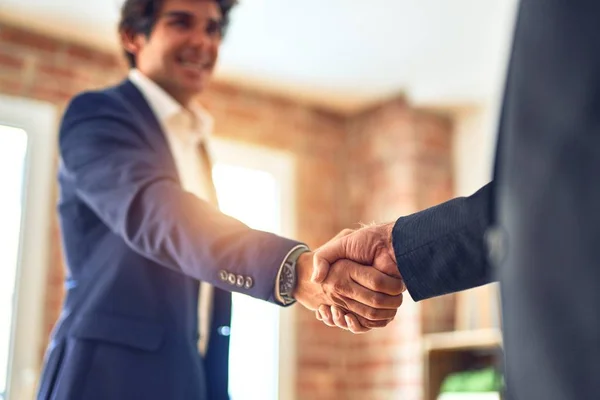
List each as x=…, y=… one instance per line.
x=287, y=279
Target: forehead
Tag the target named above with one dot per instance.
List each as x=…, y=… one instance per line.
x=198, y=8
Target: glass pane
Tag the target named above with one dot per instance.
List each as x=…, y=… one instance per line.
x=253, y=197
x=13, y=149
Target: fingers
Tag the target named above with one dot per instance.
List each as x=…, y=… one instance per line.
x=371, y=317
x=375, y=280
x=331, y=316
x=340, y=284
x=334, y=316
x=325, y=314
x=354, y=326
x=338, y=317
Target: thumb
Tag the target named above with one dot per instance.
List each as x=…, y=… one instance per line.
x=320, y=269
x=325, y=257
x=384, y=263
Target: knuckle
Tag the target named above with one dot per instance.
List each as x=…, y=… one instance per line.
x=378, y=300
x=367, y=323
x=379, y=324
x=371, y=314
x=397, y=301
x=399, y=287
x=337, y=319
x=342, y=288
x=379, y=282
x=338, y=287
x=400, y=299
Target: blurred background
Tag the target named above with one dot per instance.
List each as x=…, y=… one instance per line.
x=328, y=113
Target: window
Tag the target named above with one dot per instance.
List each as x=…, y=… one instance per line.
x=27, y=148
x=255, y=185
x=13, y=149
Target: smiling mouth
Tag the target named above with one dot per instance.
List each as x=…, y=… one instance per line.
x=203, y=65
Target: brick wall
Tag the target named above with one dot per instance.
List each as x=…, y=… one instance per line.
x=405, y=165
x=387, y=161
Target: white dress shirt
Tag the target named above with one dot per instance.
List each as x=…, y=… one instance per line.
x=184, y=130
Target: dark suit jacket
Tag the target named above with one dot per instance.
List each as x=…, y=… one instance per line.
x=545, y=206
x=136, y=246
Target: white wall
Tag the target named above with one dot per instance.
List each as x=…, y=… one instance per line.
x=473, y=148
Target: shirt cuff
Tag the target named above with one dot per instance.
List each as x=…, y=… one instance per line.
x=278, y=297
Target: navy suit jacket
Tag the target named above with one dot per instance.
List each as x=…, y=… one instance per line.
x=136, y=245
x=541, y=213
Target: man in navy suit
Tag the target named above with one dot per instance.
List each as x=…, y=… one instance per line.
x=151, y=261
x=536, y=227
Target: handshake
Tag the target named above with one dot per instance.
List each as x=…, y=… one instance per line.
x=352, y=281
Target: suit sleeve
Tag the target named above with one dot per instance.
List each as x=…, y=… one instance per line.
x=120, y=176
x=441, y=250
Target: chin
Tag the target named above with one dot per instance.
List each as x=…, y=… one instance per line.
x=197, y=87
x=197, y=82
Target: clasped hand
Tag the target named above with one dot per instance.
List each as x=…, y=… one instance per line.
x=352, y=282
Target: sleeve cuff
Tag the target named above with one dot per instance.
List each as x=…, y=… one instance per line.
x=294, y=252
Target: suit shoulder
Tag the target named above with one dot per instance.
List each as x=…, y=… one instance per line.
x=97, y=113
x=94, y=103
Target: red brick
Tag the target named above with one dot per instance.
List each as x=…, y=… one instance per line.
x=57, y=73
x=10, y=87
x=81, y=52
x=19, y=37
x=11, y=61
x=93, y=57
x=51, y=94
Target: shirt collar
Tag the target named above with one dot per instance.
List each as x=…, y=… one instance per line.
x=165, y=106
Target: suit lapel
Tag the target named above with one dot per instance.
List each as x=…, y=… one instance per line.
x=152, y=128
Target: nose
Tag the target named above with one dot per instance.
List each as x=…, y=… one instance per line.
x=199, y=38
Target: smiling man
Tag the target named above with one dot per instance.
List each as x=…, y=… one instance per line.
x=151, y=261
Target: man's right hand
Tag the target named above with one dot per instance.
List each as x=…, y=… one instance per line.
x=371, y=245
x=371, y=295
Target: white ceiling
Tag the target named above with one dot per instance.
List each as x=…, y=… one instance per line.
x=344, y=54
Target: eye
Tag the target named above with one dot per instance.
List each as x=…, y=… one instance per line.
x=183, y=23
x=214, y=28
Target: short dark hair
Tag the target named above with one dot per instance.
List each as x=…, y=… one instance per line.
x=139, y=16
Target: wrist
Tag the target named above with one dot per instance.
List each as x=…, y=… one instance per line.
x=388, y=231
x=304, y=268
x=287, y=276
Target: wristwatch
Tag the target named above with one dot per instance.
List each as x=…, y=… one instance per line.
x=287, y=276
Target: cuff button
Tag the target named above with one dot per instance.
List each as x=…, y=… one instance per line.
x=223, y=275
x=231, y=279
x=239, y=281
x=249, y=283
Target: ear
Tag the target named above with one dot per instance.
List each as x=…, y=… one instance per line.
x=132, y=42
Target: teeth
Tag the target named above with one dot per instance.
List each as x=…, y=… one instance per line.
x=195, y=65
